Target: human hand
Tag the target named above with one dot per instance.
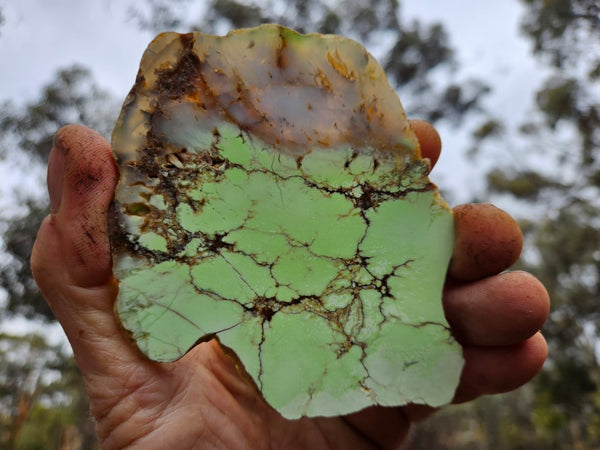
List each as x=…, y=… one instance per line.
x=200, y=401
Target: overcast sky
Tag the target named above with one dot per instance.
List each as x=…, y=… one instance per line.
x=39, y=37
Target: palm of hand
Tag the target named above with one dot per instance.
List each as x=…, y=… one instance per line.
x=201, y=401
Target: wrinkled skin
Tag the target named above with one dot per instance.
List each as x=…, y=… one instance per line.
x=201, y=401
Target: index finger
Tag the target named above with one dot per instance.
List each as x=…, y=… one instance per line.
x=429, y=140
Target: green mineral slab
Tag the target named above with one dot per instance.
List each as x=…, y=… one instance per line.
x=273, y=196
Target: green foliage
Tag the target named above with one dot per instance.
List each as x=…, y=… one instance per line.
x=572, y=100
x=525, y=185
x=558, y=27
x=428, y=47
x=496, y=422
x=563, y=242
x=47, y=428
x=489, y=128
x=157, y=14
x=239, y=15
x=557, y=100
x=562, y=238
x=15, y=274
x=37, y=411
x=42, y=397
x=72, y=97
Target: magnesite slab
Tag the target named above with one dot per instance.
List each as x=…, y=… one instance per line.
x=273, y=196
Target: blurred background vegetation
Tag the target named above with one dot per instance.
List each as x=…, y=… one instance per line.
x=550, y=175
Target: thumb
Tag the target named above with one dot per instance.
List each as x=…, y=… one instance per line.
x=71, y=259
x=82, y=176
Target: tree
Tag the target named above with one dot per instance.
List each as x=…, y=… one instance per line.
x=72, y=97
x=41, y=395
x=41, y=391
x=556, y=180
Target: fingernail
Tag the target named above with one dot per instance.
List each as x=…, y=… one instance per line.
x=56, y=169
